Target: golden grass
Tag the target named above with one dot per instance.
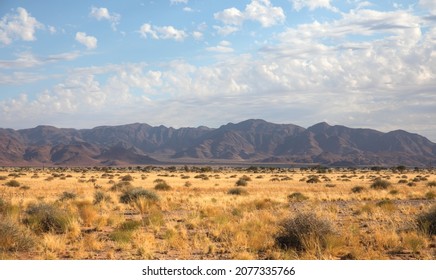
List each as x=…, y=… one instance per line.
x=198, y=218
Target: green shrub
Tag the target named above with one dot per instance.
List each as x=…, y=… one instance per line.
x=427, y=221
x=43, y=217
x=300, y=232
x=12, y=183
x=237, y=191
x=380, y=184
x=14, y=237
x=133, y=194
x=297, y=196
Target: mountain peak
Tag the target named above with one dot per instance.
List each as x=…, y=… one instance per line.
x=319, y=127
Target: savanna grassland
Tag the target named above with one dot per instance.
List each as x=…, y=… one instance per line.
x=217, y=213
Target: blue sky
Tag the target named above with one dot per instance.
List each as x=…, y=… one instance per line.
x=190, y=62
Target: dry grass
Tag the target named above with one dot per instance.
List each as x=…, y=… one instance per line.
x=116, y=214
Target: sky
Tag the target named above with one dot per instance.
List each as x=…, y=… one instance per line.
x=186, y=63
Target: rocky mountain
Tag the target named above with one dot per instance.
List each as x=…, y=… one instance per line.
x=250, y=141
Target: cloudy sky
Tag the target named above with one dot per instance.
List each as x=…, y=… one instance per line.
x=194, y=62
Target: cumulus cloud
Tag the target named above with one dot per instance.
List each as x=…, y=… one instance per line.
x=312, y=4
x=261, y=11
x=18, y=26
x=90, y=42
x=104, y=14
x=162, y=32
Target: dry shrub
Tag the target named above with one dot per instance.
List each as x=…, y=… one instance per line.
x=298, y=232
x=133, y=194
x=14, y=237
x=427, y=221
x=380, y=184
x=43, y=217
x=237, y=191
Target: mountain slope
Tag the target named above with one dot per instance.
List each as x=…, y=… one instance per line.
x=248, y=141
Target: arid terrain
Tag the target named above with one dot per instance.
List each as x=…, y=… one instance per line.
x=187, y=212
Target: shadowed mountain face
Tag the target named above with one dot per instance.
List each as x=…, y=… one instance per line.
x=249, y=141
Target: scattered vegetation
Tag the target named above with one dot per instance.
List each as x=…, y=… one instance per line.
x=285, y=213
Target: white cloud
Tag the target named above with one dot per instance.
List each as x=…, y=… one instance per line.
x=230, y=16
x=222, y=47
x=312, y=4
x=20, y=25
x=52, y=29
x=104, y=14
x=197, y=35
x=225, y=30
x=162, y=32
x=90, y=42
x=261, y=11
x=178, y=2
x=429, y=4
x=29, y=60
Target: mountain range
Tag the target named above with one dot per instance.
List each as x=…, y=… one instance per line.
x=250, y=141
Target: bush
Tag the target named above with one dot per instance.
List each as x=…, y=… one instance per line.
x=431, y=184
x=67, y=196
x=241, y=183
x=380, y=184
x=121, y=186
x=13, y=183
x=162, y=186
x=14, y=237
x=237, y=191
x=100, y=196
x=133, y=194
x=299, y=232
x=44, y=217
x=297, y=196
x=127, y=178
x=427, y=221
x=313, y=180
x=430, y=195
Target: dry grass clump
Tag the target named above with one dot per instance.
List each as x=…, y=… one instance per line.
x=136, y=193
x=237, y=191
x=15, y=237
x=297, y=196
x=302, y=231
x=162, y=186
x=43, y=217
x=380, y=184
x=427, y=221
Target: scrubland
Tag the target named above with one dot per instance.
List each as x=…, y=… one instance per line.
x=217, y=213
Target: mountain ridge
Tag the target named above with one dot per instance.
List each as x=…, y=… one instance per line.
x=250, y=141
